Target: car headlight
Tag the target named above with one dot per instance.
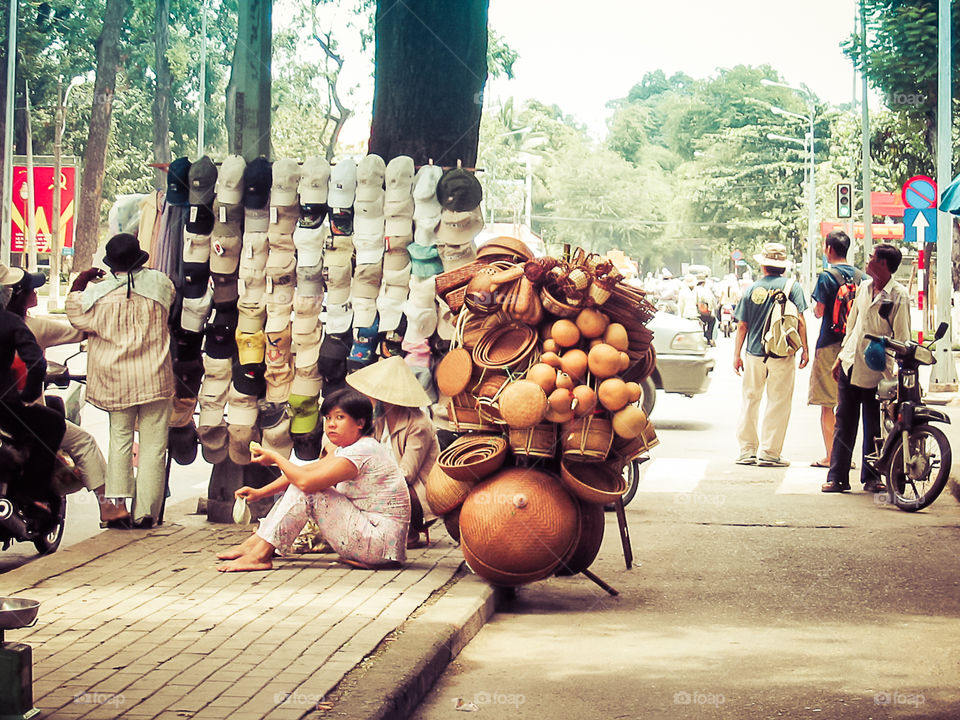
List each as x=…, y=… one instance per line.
x=689, y=341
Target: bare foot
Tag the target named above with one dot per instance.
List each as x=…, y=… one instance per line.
x=246, y=563
x=238, y=551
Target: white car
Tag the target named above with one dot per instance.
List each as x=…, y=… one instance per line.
x=683, y=365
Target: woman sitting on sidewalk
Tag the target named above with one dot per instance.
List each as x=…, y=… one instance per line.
x=357, y=496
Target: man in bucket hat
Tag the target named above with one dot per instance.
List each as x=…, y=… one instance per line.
x=130, y=374
x=760, y=370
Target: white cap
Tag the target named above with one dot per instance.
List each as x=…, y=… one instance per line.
x=314, y=179
x=370, y=172
x=278, y=318
x=309, y=243
x=286, y=177
x=339, y=318
x=425, y=192
x=390, y=306
x=230, y=180
x=364, y=312
x=369, y=248
x=399, y=178
x=196, y=247
x=196, y=311
x=343, y=184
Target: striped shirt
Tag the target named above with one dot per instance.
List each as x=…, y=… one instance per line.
x=128, y=348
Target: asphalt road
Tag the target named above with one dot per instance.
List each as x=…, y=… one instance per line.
x=753, y=596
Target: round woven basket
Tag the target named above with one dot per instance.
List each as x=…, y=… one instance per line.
x=537, y=441
x=454, y=371
x=452, y=522
x=443, y=492
x=516, y=526
x=592, y=523
x=630, y=450
x=557, y=307
x=587, y=439
x=522, y=404
x=599, y=483
x=472, y=458
x=466, y=417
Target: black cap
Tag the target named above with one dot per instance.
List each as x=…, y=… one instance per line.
x=186, y=344
x=248, y=379
x=196, y=276
x=257, y=179
x=203, y=179
x=306, y=446
x=189, y=375
x=178, y=182
x=182, y=442
x=221, y=341
x=202, y=220
x=341, y=221
x=459, y=190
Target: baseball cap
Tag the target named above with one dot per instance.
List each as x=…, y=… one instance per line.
x=240, y=438
x=456, y=256
x=225, y=246
x=312, y=214
x=248, y=379
x=220, y=342
x=200, y=220
x=370, y=173
x=188, y=374
x=214, y=441
x=278, y=317
x=393, y=243
x=314, y=179
x=195, y=311
x=341, y=221
x=196, y=278
x=286, y=177
x=305, y=413
x=425, y=260
x=333, y=357
x=281, y=273
x=307, y=446
x=251, y=317
x=459, y=228
x=250, y=347
x=252, y=285
x=426, y=204
x=214, y=389
x=390, y=304
x=225, y=288
x=275, y=429
x=339, y=317
x=186, y=345
x=364, y=312
x=306, y=381
x=256, y=220
x=398, y=226
x=343, y=184
x=366, y=281
x=257, y=179
x=230, y=180
x=424, y=231
x=178, y=182
x=253, y=253
x=203, y=179
x=196, y=248
x=182, y=442
x=459, y=190
x=283, y=219
x=309, y=244
x=398, y=179
x=310, y=281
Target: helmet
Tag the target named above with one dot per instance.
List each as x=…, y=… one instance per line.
x=876, y=355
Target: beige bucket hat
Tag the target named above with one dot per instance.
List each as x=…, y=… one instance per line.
x=391, y=381
x=773, y=255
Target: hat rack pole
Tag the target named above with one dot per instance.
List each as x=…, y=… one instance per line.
x=624, y=532
x=610, y=590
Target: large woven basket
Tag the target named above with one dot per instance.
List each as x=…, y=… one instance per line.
x=505, y=346
x=599, y=483
x=537, y=441
x=465, y=416
x=443, y=492
x=629, y=450
x=587, y=439
x=517, y=526
x=592, y=523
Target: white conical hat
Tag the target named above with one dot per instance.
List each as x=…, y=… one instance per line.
x=391, y=381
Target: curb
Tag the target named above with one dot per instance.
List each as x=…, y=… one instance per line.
x=397, y=680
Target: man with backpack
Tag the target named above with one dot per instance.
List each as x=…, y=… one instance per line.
x=834, y=294
x=770, y=317
x=882, y=307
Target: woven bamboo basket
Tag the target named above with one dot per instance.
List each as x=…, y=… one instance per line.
x=516, y=526
x=537, y=441
x=472, y=458
x=556, y=307
x=445, y=493
x=599, y=483
x=587, y=439
x=588, y=546
x=465, y=416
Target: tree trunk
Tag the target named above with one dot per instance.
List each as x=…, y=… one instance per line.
x=95, y=155
x=431, y=67
x=161, y=96
x=248, y=92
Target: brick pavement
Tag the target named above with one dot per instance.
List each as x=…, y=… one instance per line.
x=140, y=625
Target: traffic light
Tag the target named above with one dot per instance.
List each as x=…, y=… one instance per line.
x=844, y=200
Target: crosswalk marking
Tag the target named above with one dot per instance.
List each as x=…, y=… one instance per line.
x=671, y=475
x=802, y=481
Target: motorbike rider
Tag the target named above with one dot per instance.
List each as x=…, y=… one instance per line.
x=33, y=426
x=80, y=445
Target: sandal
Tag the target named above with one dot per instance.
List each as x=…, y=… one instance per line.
x=120, y=523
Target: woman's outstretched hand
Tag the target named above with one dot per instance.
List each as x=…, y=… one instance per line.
x=261, y=455
x=248, y=493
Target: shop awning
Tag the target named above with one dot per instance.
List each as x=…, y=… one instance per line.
x=881, y=231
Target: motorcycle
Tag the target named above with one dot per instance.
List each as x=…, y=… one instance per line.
x=727, y=323
x=22, y=519
x=913, y=455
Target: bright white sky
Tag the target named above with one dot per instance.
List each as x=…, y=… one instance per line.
x=579, y=54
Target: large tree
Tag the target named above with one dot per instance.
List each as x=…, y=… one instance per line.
x=95, y=156
x=431, y=68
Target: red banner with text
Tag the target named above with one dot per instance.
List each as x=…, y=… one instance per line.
x=43, y=187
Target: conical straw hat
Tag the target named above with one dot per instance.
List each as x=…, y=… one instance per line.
x=390, y=381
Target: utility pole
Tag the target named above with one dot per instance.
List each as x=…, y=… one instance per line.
x=7, y=201
x=31, y=244
x=56, y=239
x=943, y=376
x=865, y=123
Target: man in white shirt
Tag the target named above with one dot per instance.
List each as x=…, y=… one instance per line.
x=882, y=307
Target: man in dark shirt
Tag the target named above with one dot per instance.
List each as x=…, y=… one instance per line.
x=823, y=386
x=34, y=427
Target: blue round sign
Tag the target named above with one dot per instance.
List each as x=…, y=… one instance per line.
x=920, y=193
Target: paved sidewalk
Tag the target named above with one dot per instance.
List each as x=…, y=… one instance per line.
x=139, y=624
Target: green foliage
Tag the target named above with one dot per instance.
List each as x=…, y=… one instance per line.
x=500, y=56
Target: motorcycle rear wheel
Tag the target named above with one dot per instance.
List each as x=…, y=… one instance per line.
x=930, y=471
x=51, y=541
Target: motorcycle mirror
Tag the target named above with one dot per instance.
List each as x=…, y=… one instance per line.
x=941, y=330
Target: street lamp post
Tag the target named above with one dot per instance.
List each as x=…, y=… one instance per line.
x=813, y=245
